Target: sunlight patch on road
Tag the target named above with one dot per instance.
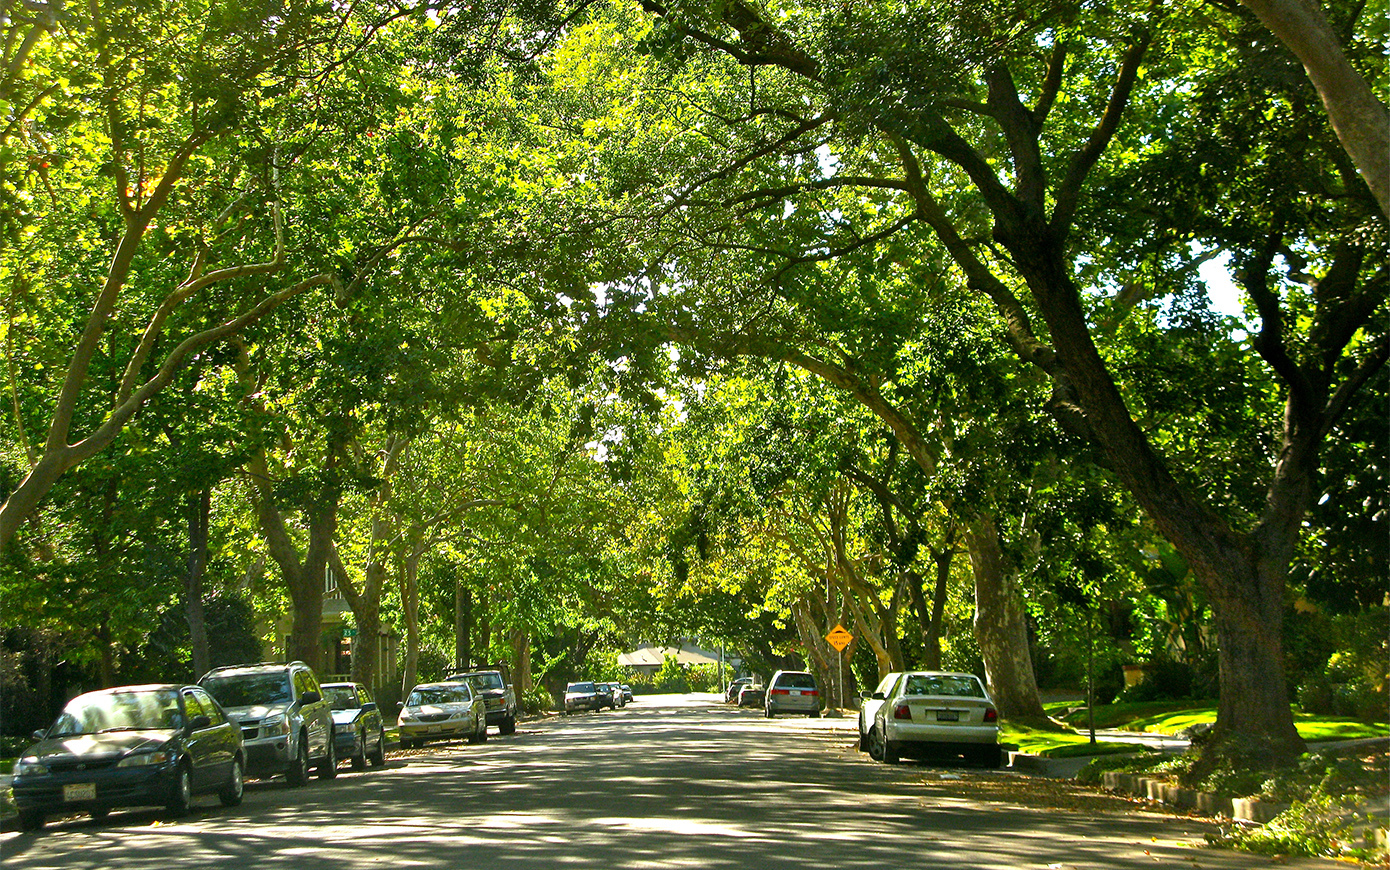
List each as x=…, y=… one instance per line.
x=681, y=827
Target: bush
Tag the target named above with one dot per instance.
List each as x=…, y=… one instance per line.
x=1164, y=680
x=536, y=700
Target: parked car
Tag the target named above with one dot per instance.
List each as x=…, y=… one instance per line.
x=792, y=692
x=358, y=732
x=584, y=695
x=440, y=711
x=751, y=696
x=130, y=746
x=731, y=693
x=627, y=693
x=498, y=696
x=285, y=722
x=933, y=713
x=869, y=704
x=616, y=699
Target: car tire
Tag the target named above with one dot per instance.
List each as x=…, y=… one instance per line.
x=814, y=714
x=378, y=756
x=875, y=743
x=359, y=756
x=891, y=755
x=181, y=793
x=863, y=739
x=100, y=813
x=30, y=820
x=297, y=773
x=508, y=726
x=230, y=796
x=989, y=757
x=767, y=713
x=328, y=768
x=479, y=734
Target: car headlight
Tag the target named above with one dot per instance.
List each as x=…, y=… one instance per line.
x=342, y=727
x=141, y=759
x=274, y=723
x=29, y=766
x=407, y=716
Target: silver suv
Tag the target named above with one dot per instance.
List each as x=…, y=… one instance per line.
x=285, y=721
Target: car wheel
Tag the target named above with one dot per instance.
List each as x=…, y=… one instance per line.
x=181, y=798
x=767, y=712
x=378, y=756
x=231, y=795
x=890, y=752
x=30, y=820
x=814, y=714
x=297, y=774
x=479, y=734
x=508, y=726
x=100, y=813
x=359, y=753
x=328, y=768
x=876, y=744
x=989, y=757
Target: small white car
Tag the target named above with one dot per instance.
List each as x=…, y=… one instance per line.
x=439, y=711
x=930, y=713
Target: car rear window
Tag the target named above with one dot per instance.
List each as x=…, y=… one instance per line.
x=796, y=681
x=943, y=686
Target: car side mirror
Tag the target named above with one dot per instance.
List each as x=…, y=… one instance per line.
x=200, y=722
x=400, y=705
x=39, y=734
x=369, y=707
x=310, y=698
x=878, y=696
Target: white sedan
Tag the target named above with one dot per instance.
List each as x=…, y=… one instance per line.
x=924, y=713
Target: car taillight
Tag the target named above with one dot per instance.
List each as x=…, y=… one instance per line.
x=991, y=714
x=811, y=692
x=902, y=711
x=780, y=692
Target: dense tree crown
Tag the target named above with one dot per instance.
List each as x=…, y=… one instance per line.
x=399, y=337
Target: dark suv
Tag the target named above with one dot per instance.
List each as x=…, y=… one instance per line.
x=285, y=721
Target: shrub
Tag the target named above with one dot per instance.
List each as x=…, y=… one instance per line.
x=536, y=700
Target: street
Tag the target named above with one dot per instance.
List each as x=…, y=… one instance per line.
x=670, y=781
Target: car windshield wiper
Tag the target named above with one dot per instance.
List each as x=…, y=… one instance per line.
x=67, y=734
x=127, y=728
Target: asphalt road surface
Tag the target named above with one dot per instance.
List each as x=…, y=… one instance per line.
x=672, y=781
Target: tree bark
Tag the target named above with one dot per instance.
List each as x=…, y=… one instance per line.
x=1361, y=122
x=199, y=509
x=1001, y=630
x=410, y=607
x=521, y=659
x=463, y=626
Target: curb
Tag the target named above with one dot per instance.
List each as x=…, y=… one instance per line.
x=1164, y=792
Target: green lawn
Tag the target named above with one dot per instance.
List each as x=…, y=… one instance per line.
x=1171, y=717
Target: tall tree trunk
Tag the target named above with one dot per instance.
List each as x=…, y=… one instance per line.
x=482, y=651
x=410, y=606
x=463, y=626
x=1001, y=630
x=199, y=510
x=521, y=659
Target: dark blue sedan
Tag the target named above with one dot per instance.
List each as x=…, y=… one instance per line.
x=130, y=746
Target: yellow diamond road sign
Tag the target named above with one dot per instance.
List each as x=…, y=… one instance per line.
x=839, y=638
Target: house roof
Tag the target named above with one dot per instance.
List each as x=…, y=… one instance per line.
x=651, y=655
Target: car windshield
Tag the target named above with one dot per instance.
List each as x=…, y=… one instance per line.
x=796, y=681
x=485, y=682
x=341, y=697
x=155, y=709
x=249, y=690
x=581, y=689
x=948, y=686
x=425, y=696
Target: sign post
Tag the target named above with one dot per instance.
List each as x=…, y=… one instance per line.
x=839, y=638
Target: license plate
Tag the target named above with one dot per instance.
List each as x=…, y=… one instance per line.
x=796, y=692
x=80, y=791
x=947, y=716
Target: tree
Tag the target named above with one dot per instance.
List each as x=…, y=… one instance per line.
x=997, y=141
